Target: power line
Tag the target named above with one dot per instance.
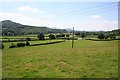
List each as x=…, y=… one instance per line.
x=86, y=9
x=91, y=12
x=101, y=8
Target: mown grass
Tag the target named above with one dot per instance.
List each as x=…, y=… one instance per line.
x=88, y=59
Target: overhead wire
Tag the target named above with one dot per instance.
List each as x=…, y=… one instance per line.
x=84, y=11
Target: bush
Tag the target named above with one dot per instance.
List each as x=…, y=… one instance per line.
x=20, y=44
x=27, y=43
x=77, y=34
x=51, y=36
x=41, y=37
x=106, y=36
x=112, y=37
x=28, y=39
x=12, y=46
x=58, y=36
x=67, y=35
x=62, y=35
x=101, y=36
x=83, y=35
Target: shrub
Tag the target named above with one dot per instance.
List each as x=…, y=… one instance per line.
x=58, y=36
x=27, y=43
x=62, y=35
x=77, y=34
x=67, y=35
x=12, y=46
x=51, y=36
x=112, y=37
x=101, y=36
x=20, y=44
x=28, y=39
x=83, y=35
x=41, y=37
x=106, y=36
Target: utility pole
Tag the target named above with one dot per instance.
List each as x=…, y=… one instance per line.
x=73, y=38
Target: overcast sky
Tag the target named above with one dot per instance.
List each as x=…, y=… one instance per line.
x=90, y=16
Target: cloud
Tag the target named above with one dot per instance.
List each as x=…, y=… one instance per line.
x=22, y=19
x=49, y=22
x=27, y=8
x=95, y=16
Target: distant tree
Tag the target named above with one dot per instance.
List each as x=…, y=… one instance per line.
x=67, y=35
x=12, y=46
x=51, y=36
x=112, y=37
x=41, y=36
x=58, y=36
x=27, y=43
x=106, y=36
x=21, y=44
x=83, y=35
x=101, y=36
x=77, y=34
x=28, y=39
x=62, y=35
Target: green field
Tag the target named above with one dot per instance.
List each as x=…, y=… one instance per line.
x=88, y=59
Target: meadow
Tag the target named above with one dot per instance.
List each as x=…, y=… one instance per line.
x=88, y=59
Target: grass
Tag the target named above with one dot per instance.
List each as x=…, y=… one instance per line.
x=7, y=44
x=88, y=59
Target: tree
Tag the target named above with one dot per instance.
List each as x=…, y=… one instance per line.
x=27, y=43
x=101, y=36
x=112, y=36
x=62, y=35
x=67, y=35
x=77, y=34
x=28, y=39
x=83, y=35
x=51, y=36
x=58, y=36
x=41, y=36
x=106, y=36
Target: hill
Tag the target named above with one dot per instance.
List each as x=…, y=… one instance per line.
x=12, y=28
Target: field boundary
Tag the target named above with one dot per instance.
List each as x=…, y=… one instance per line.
x=47, y=43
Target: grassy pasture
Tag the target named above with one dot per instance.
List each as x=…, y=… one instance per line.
x=88, y=59
x=7, y=44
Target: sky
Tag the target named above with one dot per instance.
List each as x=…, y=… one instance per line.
x=87, y=16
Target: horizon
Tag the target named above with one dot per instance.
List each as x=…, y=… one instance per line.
x=83, y=16
x=70, y=29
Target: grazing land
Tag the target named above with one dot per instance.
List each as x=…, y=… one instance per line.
x=88, y=59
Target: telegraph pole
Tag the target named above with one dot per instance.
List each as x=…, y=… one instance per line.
x=73, y=38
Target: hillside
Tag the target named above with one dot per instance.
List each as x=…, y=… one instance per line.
x=13, y=28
